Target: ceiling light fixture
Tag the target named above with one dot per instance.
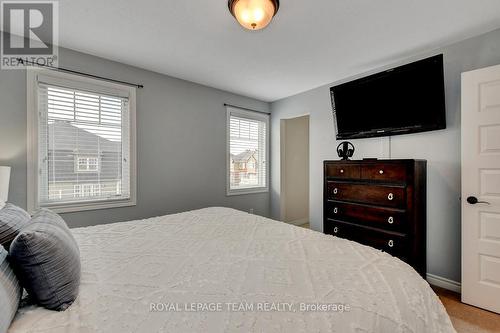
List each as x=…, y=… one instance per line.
x=253, y=14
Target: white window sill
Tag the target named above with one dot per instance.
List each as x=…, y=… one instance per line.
x=80, y=207
x=247, y=191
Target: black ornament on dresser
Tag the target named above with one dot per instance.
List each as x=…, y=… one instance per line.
x=345, y=150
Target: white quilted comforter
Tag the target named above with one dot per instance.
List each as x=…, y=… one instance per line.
x=221, y=270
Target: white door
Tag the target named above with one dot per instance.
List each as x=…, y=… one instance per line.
x=481, y=188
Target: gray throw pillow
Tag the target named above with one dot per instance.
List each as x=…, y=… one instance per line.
x=46, y=260
x=10, y=292
x=12, y=220
x=44, y=215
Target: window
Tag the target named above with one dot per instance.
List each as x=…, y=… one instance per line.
x=81, y=142
x=87, y=164
x=247, y=151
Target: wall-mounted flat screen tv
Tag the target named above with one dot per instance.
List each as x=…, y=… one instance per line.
x=401, y=100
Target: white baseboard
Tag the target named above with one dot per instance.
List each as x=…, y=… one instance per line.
x=299, y=221
x=442, y=282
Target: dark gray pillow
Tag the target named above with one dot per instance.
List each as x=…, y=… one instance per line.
x=46, y=260
x=10, y=292
x=12, y=220
x=44, y=215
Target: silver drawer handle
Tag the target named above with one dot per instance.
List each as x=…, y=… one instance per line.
x=390, y=196
x=341, y=170
x=381, y=172
x=335, y=210
x=390, y=243
x=390, y=220
x=335, y=191
x=335, y=230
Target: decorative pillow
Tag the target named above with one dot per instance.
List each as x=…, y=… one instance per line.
x=10, y=292
x=44, y=215
x=12, y=220
x=46, y=259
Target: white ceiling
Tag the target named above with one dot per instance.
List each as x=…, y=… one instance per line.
x=309, y=43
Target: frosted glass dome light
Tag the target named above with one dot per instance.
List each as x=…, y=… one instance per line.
x=253, y=14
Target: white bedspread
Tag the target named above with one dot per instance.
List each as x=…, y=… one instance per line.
x=151, y=275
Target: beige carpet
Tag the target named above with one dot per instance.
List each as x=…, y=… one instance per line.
x=466, y=318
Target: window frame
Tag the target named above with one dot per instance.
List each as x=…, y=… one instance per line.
x=73, y=81
x=251, y=115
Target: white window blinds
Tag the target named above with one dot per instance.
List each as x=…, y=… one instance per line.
x=83, y=146
x=247, y=150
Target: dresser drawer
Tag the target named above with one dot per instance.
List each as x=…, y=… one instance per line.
x=384, y=171
x=385, y=218
x=394, y=243
x=389, y=196
x=345, y=171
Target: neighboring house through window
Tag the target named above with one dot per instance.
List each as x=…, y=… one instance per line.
x=247, y=151
x=87, y=164
x=81, y=142
x=87, y=190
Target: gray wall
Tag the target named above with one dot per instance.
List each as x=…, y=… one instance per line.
x=440, y=148
x=181, y=133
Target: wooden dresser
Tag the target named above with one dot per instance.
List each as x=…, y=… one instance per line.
x=381, y=203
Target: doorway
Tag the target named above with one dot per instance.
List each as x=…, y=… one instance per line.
x=294, y=147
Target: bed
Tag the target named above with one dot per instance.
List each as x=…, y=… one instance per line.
x=222, y=270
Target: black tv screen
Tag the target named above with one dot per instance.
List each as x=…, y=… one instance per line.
x=402, y=100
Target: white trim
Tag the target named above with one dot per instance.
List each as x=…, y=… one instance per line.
x=444, y=283
x=231, y=110
x=32, y=76
x=247, y=191
x=85, y=206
